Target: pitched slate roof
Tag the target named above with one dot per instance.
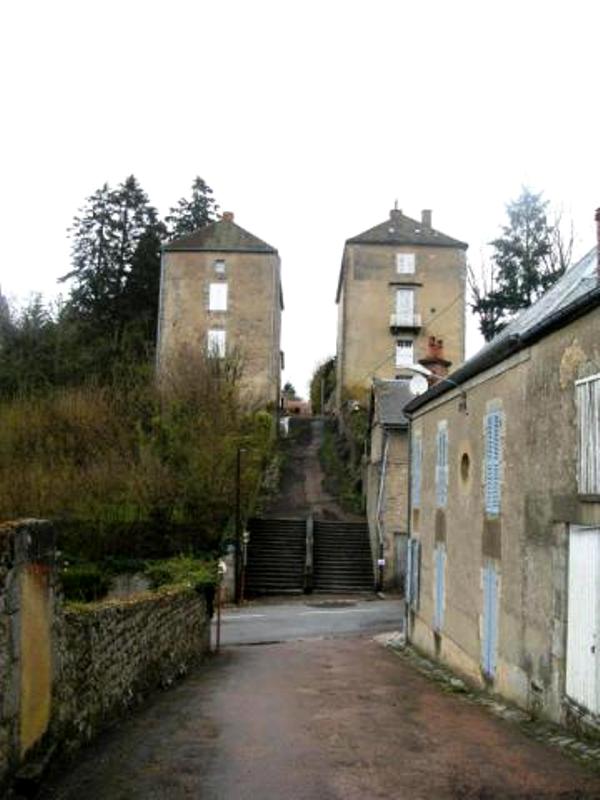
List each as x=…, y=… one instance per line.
x=389, y=398
x=400, y=229
x=574, y=294
x=222, y=236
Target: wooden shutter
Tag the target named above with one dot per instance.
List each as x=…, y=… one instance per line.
x=588, y=418
x=493, y=462
x=417, y=457
x=489, y=642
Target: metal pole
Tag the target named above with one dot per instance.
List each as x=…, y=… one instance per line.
x=219, y=590
x=238, y=527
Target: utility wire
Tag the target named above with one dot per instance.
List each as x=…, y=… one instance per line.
x=428, y=322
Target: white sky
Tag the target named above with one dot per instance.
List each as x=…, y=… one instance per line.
x=308, y=119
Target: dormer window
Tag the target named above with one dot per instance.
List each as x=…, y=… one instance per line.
x=220, y=266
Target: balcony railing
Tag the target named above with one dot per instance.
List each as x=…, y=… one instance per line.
x=405, y=321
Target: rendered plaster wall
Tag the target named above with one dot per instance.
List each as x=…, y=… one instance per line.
x=528, y=541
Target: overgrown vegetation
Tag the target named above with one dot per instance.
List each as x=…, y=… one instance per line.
x=129, y=458
x=341, y=459
x=322, y=385
x=85, y=582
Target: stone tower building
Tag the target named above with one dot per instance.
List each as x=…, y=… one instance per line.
x=400, y=283
x=221, y=293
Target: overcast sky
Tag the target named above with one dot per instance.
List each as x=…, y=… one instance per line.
x=308, y=119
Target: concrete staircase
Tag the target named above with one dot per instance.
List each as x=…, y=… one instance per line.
x=342, y=557
x=276, y=557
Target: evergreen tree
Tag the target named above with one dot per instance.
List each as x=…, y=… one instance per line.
x=524, y=264
x=189, y=215
x=116, y=262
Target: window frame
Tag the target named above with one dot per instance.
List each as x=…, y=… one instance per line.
x=399, y=363
x=218, y=296
x=402, y=259
x=216, y=342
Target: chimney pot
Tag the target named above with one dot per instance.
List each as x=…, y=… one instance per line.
x=227, y=216
x=426, y=218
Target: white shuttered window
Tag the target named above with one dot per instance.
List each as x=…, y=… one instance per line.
x=493, y=462
x=588, y=418
x=441, y=465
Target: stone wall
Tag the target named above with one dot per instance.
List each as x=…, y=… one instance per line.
x=114, y=653
x=67, y=671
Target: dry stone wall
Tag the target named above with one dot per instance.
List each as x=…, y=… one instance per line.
x=113, y=654
x=67, y=671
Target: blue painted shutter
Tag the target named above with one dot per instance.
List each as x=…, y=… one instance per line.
x=489, y=642
x=440, y=578
x=493, y=460
x=417, y=456
x=441, y=467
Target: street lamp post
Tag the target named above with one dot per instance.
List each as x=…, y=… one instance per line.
x=238, y=526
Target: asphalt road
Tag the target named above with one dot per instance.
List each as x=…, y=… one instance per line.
x=319, y=616
x=315, y=717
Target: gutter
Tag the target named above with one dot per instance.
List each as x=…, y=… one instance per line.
x=494, y=354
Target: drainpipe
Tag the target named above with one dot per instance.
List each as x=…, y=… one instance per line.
x=408, y=524
x=380, y=537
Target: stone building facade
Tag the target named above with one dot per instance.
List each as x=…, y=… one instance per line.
x=504, y=554
x=386, y=480
x=400, y=283
x=221, y=293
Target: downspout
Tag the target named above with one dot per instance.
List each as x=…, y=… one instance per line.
x=379, y=527
x=407, y=630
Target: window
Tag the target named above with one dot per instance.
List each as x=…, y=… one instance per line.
x=493, y=461
x=405, y=263
x=588, y=424
x=220, y=266
x=216, y=343
x=405, y=306
x=441, y=465
x=416, y=457
x=404, y=352
x=217, y=300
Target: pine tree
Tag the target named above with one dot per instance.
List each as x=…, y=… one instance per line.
x=116, y=259
x=524, y=264
x=189, y=215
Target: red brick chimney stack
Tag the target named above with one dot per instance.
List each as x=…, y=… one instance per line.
x=227, y=216
x=434, y=361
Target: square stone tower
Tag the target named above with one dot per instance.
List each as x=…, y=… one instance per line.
x=400, y=283
x=221, y=293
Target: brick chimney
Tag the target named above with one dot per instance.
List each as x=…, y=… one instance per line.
x=227, y=216
x=426, y=218
x=434, y=361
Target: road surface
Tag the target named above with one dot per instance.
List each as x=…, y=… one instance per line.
x=316, y=718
